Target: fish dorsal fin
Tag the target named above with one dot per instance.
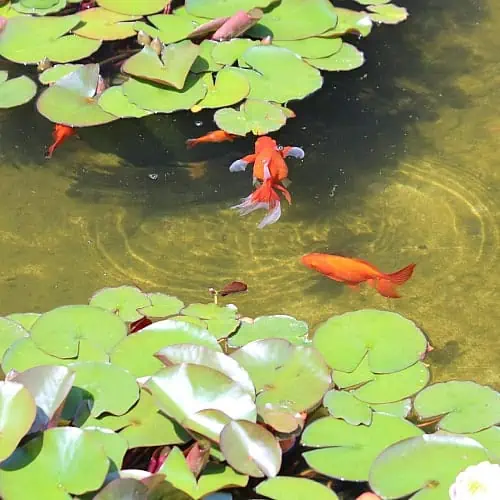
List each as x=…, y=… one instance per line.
x=362, y=261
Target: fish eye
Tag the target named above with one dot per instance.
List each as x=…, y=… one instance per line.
x=280, y=148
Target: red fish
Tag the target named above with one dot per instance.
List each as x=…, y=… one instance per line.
x=352, y=272
x=269, y=168
x=60, y=134
x=215, y=136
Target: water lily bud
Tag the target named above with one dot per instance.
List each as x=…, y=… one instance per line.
x=156, y=45
x=477, y=482
x=143, y=38
x=268, y=40
x=368, y=496
x=44, y=64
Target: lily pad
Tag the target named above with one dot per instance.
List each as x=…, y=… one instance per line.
x=151, y=339
x=350, y=21
x=348, y=451
x=294, y=488
x=27, y=39
x=266, y=327
x=387, y=14
x=390, y=341
x=124, y=301
x=205, y=62
x=17, y=413
x=185, y=389
x=132, y=7
x=123, y=489
x=281, y=418
x=313, y=47
x=292, y=376
x=208, y=423
x=173, y=67
x=60, y=331
x=465, y=406
x=162, y=305
x=26, y=320
x=102, y=24
x=114, y=445
x=372, y=2
x=220, y=320
x=342, y=404
x=10, y=331
x=162, y=99
x=295, y=20
x=425, y=466
x=56, y=72
x=114, y=102
x=227, y=53
x=399, y=408
x=346, y=59
x=222, y=8
x=38, y=7
x=16, y=91
x=168, y=29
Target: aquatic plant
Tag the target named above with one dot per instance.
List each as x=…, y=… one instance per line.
x=103, y=60
x=138, y=395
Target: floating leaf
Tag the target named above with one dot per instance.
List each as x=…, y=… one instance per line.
x=162, y=305
x=123, y=489
x=350, y=21
x=220, y=320
x=102, y=24
x=168, y=29
x=132, y=7
x=426, y=465
x=205, y=62
x=348, y=451
x=387, y=14
x=124, y=301
x=17, y=91
x=342, y=404
x=281, y=418
x=56, y=72
x=465, y=406
x=390, y=341
x=346, y=59
x=313, y=47
x=39, y=7
x=83, y=80
x=294, y=488
x=10, y=331
x=222, y=8
x=226, y=53
x=113, y=101
x=265, y=327
x=26, y=320
x=398, y=408
x=114, y=445
x=208, y=423
x=151, y=339
x=250, y=449
x=372, y=2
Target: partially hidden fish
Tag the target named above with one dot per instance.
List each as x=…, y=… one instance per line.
x=59, y=134
x=215, y=136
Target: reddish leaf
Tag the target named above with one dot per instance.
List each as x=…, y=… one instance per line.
x=140, y=324
x=233, y=287
x=197, y=456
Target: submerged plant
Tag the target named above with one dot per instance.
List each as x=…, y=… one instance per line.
x=155, y=399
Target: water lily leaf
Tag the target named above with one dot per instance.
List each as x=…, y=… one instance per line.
x=123, y=489
x=151, y=339
x=222, y=8
x=258, y=117
x=387, y=14
x=114, y=445
x=83, y=80
x=124, y=301
x=227, y=53
x=103, y=24
x=272, y=66
x=38, y=7
x=161, y=99
x=350, y=21
x=346, y=59
x=199, y=355
x=113, y=101
x=185, y=389
x=208, y=423
x=348, y=451
x=280, y=418
x=342, y=404
x=220, y=321
x=49, y=386
x=488, y=438
x=398, y=408
x=372, y=2
x=10, y=331
x=26, y=320
x=250, y=449
x=56, y=72
x=465, y=406
x=205, y=62
x=27, y=39
x=390, y=341
x=426, y=465
x=41, y=468
x=294, y=488
x=17, y=414
x=169, y=29
x=191, y=320
x=16, y=91
x=292, y=376
x=162, y=305
x=8, y=11
x=313, y=47
x=132, y=7
x=60, y=331
x=266, y=327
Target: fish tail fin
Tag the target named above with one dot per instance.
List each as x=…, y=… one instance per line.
x=386, y=288
x=286, y=193
x=191, y=143
x=402, y=276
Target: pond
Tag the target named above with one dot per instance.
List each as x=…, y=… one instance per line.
x=400, y=167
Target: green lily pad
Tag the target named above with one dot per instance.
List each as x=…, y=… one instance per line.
x=191, y=320
x=346, y=59
x=280, y=418
x=38, y=7
x=390, y=341
x=350, y=21
x=26, y=320
x=124, y=301
x=56, y=72
x=313, y=47
x=342, y=404
x=295, y=20
x=399, y=408
x=488, y=438
x=220, y=320
x=27, y=39
x=387, y=14
x=162, y=99
x=294, y=488
x=292, y=376
x=123, y=489
x=114, y=445
x=426, y=465
x=50, y=466
x=199, y=355
x=250, y=449
x=348, y=451
x=17, y=91
x=162, y=305
x=372, y=2
x=8, y=11
x=205, y=62
x=208, y=423
x=132, y=7
x=465, y=406
x=273, y=66
x=114, y=102
x=183, y=390
x=266, y=327
x=151, y=339
x=222, y=8
x=169, y=29
x=103, y=24
x=10, y=331
x=17, y=414
x=227, y=53
x=60, y=331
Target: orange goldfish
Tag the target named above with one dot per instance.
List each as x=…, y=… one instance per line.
x=352, y=272
x=60, y=134
x=269, y=167
x=215, y=136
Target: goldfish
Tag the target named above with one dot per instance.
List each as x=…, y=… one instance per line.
x=270, y=168
x=352, y=272
x=60, y=134
x=215, y=136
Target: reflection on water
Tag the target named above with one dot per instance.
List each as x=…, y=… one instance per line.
x=400, y=167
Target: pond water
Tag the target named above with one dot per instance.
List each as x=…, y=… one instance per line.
x=401, y=166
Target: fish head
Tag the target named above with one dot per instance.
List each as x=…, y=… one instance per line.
x=265, y=142
x=311, y=260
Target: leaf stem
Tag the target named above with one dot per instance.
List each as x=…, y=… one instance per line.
x=119, y=57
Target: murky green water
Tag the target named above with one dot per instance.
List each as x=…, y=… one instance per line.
x=401, y=166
